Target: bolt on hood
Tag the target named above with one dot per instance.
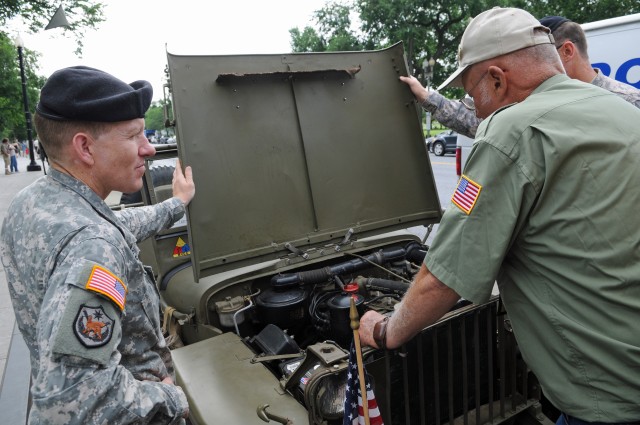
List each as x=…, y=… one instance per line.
x=293, y=150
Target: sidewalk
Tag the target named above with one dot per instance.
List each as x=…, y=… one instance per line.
x=13, y=351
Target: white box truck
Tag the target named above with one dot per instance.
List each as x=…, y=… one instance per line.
x=613, y=48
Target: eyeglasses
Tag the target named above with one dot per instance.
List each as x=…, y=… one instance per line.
x=467, y=100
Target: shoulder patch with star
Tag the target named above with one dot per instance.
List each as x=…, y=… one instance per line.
x=92, y=326
x=466, y=194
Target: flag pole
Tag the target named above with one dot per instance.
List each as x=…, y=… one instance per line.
x=355, y=325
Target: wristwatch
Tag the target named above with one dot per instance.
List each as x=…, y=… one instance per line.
x=380, y=333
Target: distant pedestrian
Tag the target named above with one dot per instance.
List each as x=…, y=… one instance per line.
x=14, y=151
x=5, y=155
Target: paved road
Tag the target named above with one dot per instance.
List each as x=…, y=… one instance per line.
x=444, y=172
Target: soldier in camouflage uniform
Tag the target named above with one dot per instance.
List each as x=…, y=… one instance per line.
x=571, y=44
x=86, y=306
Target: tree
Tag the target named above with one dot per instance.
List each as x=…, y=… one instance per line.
x=432, y=28
x=35, y=14
x=154, y=118
x=9, y=88
x=335, y=32
x=579, y=10
x=307, y=41
x=429, y=29
x=12, y=119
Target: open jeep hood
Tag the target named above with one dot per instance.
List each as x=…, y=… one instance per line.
x=291, y=151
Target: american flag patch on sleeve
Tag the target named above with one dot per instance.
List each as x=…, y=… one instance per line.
x=466, y=194
x=106, y=283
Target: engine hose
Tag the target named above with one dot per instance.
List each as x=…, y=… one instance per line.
x=384, y=285
x=311, y=277
x=321, y=315
x=416, y=252
x=324, y=274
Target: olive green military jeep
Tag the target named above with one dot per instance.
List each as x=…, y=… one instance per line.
x=309, y=168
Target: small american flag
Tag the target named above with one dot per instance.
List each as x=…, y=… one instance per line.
x=466, y=194
x=353, y=412
x=106, y=283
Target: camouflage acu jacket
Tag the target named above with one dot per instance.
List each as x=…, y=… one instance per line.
x=86, y=306
x=625, y=91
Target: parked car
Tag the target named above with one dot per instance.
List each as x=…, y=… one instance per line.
x=444, y=142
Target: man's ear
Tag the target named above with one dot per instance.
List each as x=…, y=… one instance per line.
x=567, y=51
x=83, y=148
x=498, y=81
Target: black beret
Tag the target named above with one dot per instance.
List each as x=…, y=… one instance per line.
x=553, y=22
x=81, y=93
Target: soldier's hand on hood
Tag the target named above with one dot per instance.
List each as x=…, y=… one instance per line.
x=419, y=92
x=183, y=186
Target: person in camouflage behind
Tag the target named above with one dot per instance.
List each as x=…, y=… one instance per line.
x=89, y=311
x=571, y=44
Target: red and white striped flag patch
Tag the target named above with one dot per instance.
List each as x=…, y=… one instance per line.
x=466, y=194
x=106, y=283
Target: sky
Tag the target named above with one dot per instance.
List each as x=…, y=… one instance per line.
x=133, y=41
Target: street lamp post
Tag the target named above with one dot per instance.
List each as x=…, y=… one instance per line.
x=427, y=72
x=33, y=166
x=427, y=66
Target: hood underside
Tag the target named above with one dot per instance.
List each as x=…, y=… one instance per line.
x=290, y=152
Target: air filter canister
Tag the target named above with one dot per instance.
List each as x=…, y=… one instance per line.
x=286, y=309
x=339, y=307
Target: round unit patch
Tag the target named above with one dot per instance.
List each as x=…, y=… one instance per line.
x=92, y=326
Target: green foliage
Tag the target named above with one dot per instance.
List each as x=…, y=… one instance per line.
x=430, y=28
x=334, y=34
x=35, y=14
x=154, y=118
x=579, y=10
x=306, y=41
x=9, y=88
x=12, y=118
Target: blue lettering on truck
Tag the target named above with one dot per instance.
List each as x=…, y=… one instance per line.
x=622, y=74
